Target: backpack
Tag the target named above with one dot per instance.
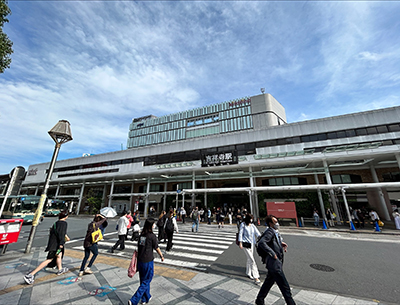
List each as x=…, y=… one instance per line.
x=194, y=215
x=260, y=251
x=169, y=226
x=160, y=222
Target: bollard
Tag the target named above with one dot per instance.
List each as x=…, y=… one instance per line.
x=324, y=224
x=377, y=229
x=300, y=225
x=352, y=226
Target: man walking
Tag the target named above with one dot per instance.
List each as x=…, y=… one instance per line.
x=122, y=232
x=195, y=215
x=55, y=245
x=272, y=244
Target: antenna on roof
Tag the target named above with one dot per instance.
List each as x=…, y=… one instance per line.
x=262, y=90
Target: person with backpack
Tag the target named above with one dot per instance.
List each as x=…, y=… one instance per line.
x=248, y=235
x=55, y=245
x=89, y=245
x=271, y=247
x=169, y=227
x=160, y=225
x=195, y=215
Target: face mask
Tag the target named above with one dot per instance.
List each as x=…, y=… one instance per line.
x=251, y=220
x=276, y=226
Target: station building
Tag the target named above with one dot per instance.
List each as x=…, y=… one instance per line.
x=238, y=153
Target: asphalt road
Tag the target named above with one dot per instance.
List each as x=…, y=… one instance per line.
x=364, y=265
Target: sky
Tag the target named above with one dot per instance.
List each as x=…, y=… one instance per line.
x=99, y=64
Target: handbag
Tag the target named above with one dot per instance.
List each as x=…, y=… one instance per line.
x=380, y=223
x=133, y=265
x=246, y=245
x=96, y=235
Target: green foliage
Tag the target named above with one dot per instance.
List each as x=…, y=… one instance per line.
x=94, y=202
x=5, y=43
x=305, y=203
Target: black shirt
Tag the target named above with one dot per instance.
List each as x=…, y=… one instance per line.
x=146, y=244
x=57, y=235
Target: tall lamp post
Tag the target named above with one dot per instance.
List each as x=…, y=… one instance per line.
x=60, y=133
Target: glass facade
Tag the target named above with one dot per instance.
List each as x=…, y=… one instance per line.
x=214, y=119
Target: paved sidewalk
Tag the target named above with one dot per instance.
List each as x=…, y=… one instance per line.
x=110, y=285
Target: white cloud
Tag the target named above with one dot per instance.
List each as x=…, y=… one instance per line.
x=100, y=64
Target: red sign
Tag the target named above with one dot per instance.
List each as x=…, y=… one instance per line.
x=282, y=210
x=9, y=230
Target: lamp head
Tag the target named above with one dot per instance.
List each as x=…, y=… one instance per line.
x=61, y=132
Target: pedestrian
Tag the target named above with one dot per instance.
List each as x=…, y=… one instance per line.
x=209, y=216
x=248, y=235
x=195, y=215
x=396, y=218
x=89, y=245
x=354, y=216
x=160, y=225
x=238, y=218
x=169, y=227
x=136, y=231
x=145, y=262
x=136, y=216
x=183, y=214
x=329, y=217
x=130, y=223
x=271, y=243
x=316, y=218
x=361, y=216
x=374, y=217
x=230, y=215
x=201, y=215
x=55, y=245
x=122, y=229
x=103, y=227
x=220, y=217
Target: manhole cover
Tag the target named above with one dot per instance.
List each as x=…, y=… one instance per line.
x=322, y=267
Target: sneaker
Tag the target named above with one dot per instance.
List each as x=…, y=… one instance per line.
x=80, y=273
x=129, y=302
x=257, y=282
x=62, y=271
x=147, y=302
x=88, y=271
x=29, y=279
x=112, y=250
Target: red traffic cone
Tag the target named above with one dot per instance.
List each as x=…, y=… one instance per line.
x=258, y=221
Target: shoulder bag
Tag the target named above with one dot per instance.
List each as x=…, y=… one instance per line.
x=133, y=265
x=96, y=235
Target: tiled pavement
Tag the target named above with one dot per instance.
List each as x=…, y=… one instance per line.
x=110, y=285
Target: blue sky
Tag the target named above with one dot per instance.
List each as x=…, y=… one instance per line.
x=99, y=64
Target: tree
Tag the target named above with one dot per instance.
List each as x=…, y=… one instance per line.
x=5, y=43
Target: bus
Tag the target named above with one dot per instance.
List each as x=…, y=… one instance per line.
x=54, y=207
x=23, y=207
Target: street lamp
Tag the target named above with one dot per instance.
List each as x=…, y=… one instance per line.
x=60, y=133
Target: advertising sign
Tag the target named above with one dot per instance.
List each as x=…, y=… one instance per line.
x=9, y=230
x=282, y=210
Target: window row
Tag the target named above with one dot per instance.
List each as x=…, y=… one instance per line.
x=203, y=120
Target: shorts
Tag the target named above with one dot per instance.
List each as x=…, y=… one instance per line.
x=53, y=254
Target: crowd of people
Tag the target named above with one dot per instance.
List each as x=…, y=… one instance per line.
x=269, y=244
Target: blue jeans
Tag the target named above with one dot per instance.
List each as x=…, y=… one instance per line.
x=95, y=250
x=146, y=272
x=195, y=224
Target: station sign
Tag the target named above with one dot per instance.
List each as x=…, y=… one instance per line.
x=220, y=158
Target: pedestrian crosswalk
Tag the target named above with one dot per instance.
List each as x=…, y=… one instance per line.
x=194, y=250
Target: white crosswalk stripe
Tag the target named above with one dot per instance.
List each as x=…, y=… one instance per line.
x=194, y=250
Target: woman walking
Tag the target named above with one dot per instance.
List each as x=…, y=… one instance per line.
x=248, y=234
x=89, y=245
x=145, y=262
x=160, y=225
x=170, y=226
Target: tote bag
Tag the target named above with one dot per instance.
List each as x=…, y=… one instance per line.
x=96, y=235
x=133, y=265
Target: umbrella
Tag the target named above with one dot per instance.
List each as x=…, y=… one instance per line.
x=108, y=212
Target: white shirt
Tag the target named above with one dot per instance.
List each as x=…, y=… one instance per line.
x=123, y=225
